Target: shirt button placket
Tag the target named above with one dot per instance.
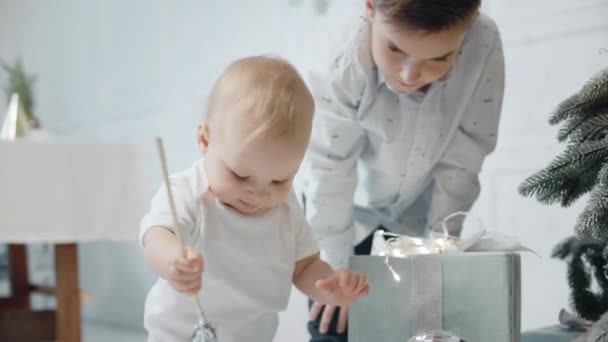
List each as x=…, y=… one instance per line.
x=405, y=109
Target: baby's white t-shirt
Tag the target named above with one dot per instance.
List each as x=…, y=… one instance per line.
x=249, y=262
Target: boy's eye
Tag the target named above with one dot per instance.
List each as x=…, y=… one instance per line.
x=441, y=59
x=393, y=48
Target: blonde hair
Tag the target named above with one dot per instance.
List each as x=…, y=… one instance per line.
x=270, y=90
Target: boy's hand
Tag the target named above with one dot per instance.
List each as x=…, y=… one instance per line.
x=343, y=287
x=327, y=316
x=185, y=273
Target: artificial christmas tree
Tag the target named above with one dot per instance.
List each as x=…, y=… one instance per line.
x=582, y=168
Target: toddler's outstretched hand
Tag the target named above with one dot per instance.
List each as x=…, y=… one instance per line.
x=344, y=287
x=185, y=273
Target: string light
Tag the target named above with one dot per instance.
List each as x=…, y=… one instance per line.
x=403, y=246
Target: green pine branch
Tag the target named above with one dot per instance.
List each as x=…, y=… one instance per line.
x=593, y=129
x=569, y=176
x=595, y=92
x=566, y=109
x=592, y=95
x=592, y=126
x=593, y=221
x=589, y=102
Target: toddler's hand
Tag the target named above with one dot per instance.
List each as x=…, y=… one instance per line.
x=185, y=273
x=344, y=287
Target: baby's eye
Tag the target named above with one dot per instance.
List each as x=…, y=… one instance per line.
x=278, y=182
x=237, y=176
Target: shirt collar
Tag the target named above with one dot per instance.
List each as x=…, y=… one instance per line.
x=200, y=185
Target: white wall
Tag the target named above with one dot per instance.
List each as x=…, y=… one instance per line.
x=129, y=70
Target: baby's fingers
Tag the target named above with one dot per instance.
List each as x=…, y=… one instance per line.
x=188, y=265
x=194, y=259
x=362, y=286
x=188, y=287
x=348, y=282
x=180, y=270
x=354, y=283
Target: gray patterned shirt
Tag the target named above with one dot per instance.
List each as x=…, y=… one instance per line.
x=404, y=161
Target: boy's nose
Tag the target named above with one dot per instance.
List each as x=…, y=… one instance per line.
x=410, y=71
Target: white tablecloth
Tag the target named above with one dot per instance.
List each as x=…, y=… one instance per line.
x=69, y=192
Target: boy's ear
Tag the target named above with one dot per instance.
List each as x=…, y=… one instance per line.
x=370, y=9
x=202, y=136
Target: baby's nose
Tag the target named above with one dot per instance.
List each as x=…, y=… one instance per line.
x=259, y=193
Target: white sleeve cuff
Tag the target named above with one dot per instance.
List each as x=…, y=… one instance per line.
x=336, y=250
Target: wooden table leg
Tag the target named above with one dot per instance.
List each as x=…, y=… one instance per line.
x=68, y=304
x=24, y=325
x=19, y=283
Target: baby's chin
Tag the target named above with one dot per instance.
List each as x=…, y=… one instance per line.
x=245, y=210
x=254, y=212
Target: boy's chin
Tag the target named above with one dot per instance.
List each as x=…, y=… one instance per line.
x=402, y=89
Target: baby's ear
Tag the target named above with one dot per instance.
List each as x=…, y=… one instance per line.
x=202, y=136
x=370, y=10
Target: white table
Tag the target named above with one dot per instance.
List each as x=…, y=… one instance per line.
x=63, y=194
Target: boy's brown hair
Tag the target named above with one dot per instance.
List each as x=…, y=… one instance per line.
x=428, y=15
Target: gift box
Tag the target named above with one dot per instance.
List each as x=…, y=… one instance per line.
x=474, y=295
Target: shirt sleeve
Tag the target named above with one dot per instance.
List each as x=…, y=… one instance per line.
x=159, y=213
x=456, y=175
x=330, y=167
